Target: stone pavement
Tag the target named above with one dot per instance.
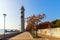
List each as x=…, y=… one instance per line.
x=25, y=35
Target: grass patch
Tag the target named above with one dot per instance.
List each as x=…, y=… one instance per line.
x=33, y=35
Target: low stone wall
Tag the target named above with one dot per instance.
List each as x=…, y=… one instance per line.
x=51, y=32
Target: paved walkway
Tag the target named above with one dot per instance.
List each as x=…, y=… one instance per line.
x=25, y=35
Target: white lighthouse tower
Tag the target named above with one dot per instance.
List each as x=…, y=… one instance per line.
x=22, y=19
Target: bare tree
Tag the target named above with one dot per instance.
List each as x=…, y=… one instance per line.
x=35, y=19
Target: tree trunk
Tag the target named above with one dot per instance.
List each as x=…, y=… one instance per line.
x=36, y=33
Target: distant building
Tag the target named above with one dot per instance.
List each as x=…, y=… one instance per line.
x=22, y=19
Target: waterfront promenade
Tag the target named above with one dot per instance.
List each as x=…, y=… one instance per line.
x=25, y=36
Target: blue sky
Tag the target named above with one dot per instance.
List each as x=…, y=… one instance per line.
x=12, y=8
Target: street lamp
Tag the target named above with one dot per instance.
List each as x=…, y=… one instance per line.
x=4, y=24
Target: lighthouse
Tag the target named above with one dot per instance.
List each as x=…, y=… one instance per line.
x=22, y=19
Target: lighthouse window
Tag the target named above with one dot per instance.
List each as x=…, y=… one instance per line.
x=21, y=16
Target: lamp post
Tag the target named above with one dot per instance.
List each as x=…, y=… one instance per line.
x=4, y=24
